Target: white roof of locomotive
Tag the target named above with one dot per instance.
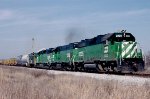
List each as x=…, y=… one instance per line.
x=41, y=49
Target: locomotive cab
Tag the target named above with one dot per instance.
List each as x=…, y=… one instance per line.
x=127, y=46
x=129, y=57
x=122, y=37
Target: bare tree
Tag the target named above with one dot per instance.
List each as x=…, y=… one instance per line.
x=148, y=59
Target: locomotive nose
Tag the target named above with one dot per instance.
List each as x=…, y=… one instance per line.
x=129, y=49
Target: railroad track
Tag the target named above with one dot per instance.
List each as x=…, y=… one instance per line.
x=137, y=74
x=144, y=75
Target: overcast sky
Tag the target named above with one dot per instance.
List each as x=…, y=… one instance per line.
x=51, y=21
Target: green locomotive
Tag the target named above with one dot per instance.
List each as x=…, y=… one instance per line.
x=110, y=52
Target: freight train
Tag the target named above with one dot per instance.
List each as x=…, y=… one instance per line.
x=116, y=52
x=11, y=62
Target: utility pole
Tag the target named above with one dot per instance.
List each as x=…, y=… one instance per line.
x=33, y=42
x=33, y=53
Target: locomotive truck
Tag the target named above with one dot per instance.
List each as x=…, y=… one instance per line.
x=115, y=52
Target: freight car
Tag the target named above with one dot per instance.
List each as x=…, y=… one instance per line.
x=23, y=60
x=11, y=62
x=115, y=52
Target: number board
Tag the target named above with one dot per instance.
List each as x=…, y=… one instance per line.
x=118, y=35
x=127, y=35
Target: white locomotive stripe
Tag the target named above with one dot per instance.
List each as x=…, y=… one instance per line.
x=134, y=50
x=124, y=44
x=131, y=54
x=127, y=50
x=123, y=54
x=128, y=56
x=134, y=55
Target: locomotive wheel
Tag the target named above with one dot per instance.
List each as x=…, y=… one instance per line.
x=135, y=69
x=50, y=67
x=140, y=67
x=99, y=68
x=31, y=65
x=114, y=69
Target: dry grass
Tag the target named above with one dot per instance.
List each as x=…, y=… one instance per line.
x=22, y=83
